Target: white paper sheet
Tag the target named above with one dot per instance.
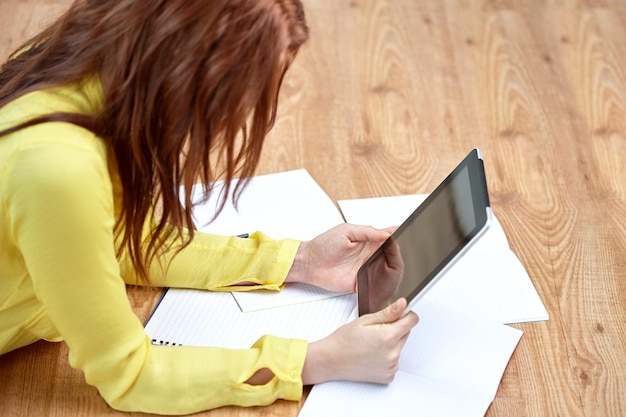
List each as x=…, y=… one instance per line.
x=282, y=205
x=450, y=366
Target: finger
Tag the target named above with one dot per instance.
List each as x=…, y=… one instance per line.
x=358, y=233
x=402, y=340
x=406, y=323
x=389, y=314
x=401, y=329
x=391, y=229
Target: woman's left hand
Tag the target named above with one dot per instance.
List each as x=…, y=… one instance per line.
x=332, y=259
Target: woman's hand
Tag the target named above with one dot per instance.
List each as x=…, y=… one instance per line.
x=365, y=350
x=332, y=259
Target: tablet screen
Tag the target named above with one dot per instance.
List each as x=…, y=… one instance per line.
x=428, y=240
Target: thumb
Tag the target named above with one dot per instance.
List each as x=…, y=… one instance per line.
x=389, y=314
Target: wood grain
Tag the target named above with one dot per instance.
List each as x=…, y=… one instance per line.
x=385, y=99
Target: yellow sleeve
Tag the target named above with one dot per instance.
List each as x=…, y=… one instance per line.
x=223, y=381
x=60, y=205
x=217, y=263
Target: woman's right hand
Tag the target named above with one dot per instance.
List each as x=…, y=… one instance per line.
x=364, y=350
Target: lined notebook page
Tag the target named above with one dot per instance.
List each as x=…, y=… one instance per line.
x=450, y=366
x=204, y=318
x=489, y=280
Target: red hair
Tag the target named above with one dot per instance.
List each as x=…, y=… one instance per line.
x=192, y=78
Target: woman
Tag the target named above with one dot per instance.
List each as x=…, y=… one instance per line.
x=103, y=116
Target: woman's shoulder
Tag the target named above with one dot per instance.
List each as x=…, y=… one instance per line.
x=54, y=155
x=54, y=145
x=52, y=138
x=83, y=97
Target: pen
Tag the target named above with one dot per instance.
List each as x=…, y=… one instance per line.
x=244, y=235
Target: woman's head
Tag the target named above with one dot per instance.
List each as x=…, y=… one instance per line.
x=190, y=91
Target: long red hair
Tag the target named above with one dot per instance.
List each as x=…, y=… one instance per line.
x=190, y=92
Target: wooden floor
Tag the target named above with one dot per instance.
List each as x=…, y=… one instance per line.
x=385, y=99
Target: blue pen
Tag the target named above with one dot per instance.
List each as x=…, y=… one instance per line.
x=244, y=235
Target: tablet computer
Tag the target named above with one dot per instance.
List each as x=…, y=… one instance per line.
x=429, y=241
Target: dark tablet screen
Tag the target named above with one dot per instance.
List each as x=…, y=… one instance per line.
x=431, y=237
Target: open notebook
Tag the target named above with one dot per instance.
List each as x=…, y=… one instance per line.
x=204, y=318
